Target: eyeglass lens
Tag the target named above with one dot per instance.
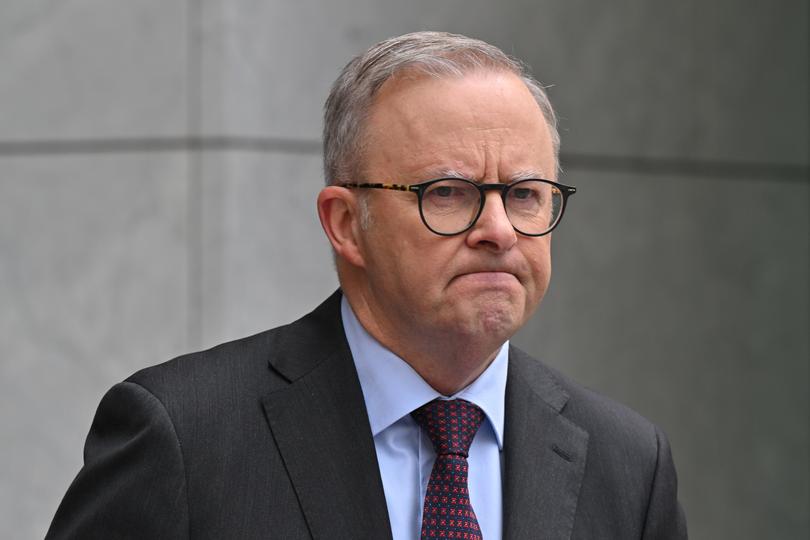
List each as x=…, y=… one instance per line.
x=450, y=206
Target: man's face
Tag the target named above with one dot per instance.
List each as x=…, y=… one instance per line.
x=487, y=281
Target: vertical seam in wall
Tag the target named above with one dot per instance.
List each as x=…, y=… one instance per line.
x=194, y=170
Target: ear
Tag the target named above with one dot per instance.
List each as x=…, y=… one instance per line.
x=340, y=219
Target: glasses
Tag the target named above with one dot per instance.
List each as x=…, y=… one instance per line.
x=450, y=206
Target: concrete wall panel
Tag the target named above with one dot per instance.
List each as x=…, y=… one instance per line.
x=266, y=257
x=720, y=80
x=90, y=69
x=93, y=286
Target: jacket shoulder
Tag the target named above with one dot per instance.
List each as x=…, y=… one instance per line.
x=596, y=413
x=259, y=363
x=236, y=362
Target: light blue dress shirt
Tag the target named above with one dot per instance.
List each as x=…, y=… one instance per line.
x=392, y=389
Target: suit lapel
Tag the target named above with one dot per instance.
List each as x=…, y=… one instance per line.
x=320, y=425
x=545, y=454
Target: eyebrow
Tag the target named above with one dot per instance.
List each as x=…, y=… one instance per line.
x=526, y=175
x=520, y=175
x=449, y=173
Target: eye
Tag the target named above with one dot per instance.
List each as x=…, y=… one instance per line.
x=451, y=190
x=523, y=193
x=444, y=191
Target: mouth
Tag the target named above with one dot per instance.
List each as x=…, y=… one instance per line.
x=492, y=278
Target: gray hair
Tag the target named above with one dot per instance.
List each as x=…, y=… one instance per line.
x=431, y=53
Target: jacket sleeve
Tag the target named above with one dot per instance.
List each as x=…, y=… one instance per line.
x=665, y=518
x=132, y=484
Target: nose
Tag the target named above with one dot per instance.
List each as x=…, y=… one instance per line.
x=493, y=230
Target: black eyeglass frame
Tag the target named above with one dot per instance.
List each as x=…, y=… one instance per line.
x=420, y=189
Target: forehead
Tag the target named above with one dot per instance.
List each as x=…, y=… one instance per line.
x=485, y=125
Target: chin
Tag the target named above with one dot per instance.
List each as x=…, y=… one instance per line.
x=499, y=323
x=497, y=316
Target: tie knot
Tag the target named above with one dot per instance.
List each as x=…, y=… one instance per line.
x=450, y=424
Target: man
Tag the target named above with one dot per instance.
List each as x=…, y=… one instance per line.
x=397, y=408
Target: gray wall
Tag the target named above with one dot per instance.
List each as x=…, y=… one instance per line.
x=159, y=162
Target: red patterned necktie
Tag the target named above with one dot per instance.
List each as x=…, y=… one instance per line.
x=451, y=426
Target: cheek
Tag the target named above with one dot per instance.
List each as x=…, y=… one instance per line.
x=540, y=262
x=543, y=280
x=398, y=265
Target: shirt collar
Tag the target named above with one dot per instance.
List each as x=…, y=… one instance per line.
x=392, y=388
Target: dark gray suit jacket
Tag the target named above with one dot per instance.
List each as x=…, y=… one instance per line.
x=268, y=437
